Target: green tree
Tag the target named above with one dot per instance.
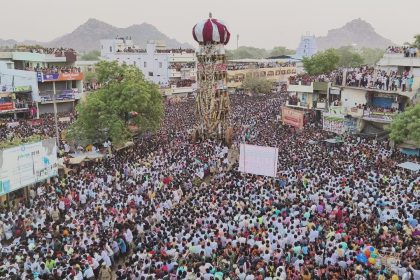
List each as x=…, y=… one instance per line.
x=125, y=99
x=91, y=56
x=279, y=51
x=257, y=85
x=349, y=57
x=90, y=76
x=416, y=42
x=371, y=56
x=322, y=62
x=406, y=126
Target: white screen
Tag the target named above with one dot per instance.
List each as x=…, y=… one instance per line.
x=258, y=160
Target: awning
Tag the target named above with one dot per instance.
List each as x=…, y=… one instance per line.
x=412, y=166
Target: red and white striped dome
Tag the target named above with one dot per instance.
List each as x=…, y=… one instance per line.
x=211, y=31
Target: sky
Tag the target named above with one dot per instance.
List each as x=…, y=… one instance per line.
x=263, y=23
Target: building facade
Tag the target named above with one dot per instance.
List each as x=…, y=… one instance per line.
x=174, y=70
x=44, y=74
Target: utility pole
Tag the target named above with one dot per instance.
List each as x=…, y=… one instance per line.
x=57, y=135
x=237, y=41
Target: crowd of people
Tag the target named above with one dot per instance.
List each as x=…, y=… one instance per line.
x=406, y=50
x=58, y=52
x=242, y=66
x=167, y=208
x=56, y=69
x=368, y=77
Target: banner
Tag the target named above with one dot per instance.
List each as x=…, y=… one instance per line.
x=258, y=160
x=292, y=117
x=22, y=89
x=59, y=77
x=27, y=164
x=6, y=106
x=334, y=124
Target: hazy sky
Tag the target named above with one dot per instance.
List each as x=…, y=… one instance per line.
x=262, y=23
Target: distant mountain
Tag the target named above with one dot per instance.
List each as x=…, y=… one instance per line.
x=356, y=32
x=87, y=36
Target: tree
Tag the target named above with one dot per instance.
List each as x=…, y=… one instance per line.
x=257, y=85
x=91, y=56
x=126, y=98
x=256, y=53
x=416, y=43
x=349, y=57
x=90, y=77
x=279, y=51
x=371, y=56
x=322, y=62
x=406, y=126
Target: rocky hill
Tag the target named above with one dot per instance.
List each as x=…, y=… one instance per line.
x=356, y=32
x=87, y=36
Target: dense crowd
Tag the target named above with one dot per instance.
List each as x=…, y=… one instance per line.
x=407, y=51
x=56, y=69
x=171, y=209
x=58, y=52
x=371, y=78
x=242, y=66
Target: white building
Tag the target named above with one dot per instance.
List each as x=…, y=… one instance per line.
x=307, y=47
x=174, y=70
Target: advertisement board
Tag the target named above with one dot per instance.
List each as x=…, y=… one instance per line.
x=292, y=117
x=258, y=160
x=334, y=124
x=27, y=164
x=6, y=106
x=59, y=77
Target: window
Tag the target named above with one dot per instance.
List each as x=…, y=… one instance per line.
x=150, y=74
x=134, y=63
x=145, y=64
x=110, y=48
x=160, y=64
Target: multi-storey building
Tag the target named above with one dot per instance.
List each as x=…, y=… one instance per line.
x=174, y=70
x=47, y=75
x=270, y=69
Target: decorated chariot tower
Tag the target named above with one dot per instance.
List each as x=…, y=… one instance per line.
x=212, y=99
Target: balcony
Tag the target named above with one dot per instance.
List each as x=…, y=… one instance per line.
x=301, y=88
x=381, y=117
x=62, y=96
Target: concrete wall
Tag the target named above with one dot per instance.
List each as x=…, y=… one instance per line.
x=351, y=97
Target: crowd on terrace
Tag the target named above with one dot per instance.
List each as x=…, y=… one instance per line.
x=406, y=50
x=56, y=69
x=256, y=65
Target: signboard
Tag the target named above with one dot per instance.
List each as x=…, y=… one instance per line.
x=59, y=77
x=27, y=164
x=6, y=106
x=258, y=160
x=22, y=89
x=292, y=117
x=334, y=124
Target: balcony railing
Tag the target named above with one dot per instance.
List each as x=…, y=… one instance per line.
x=48, y=96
